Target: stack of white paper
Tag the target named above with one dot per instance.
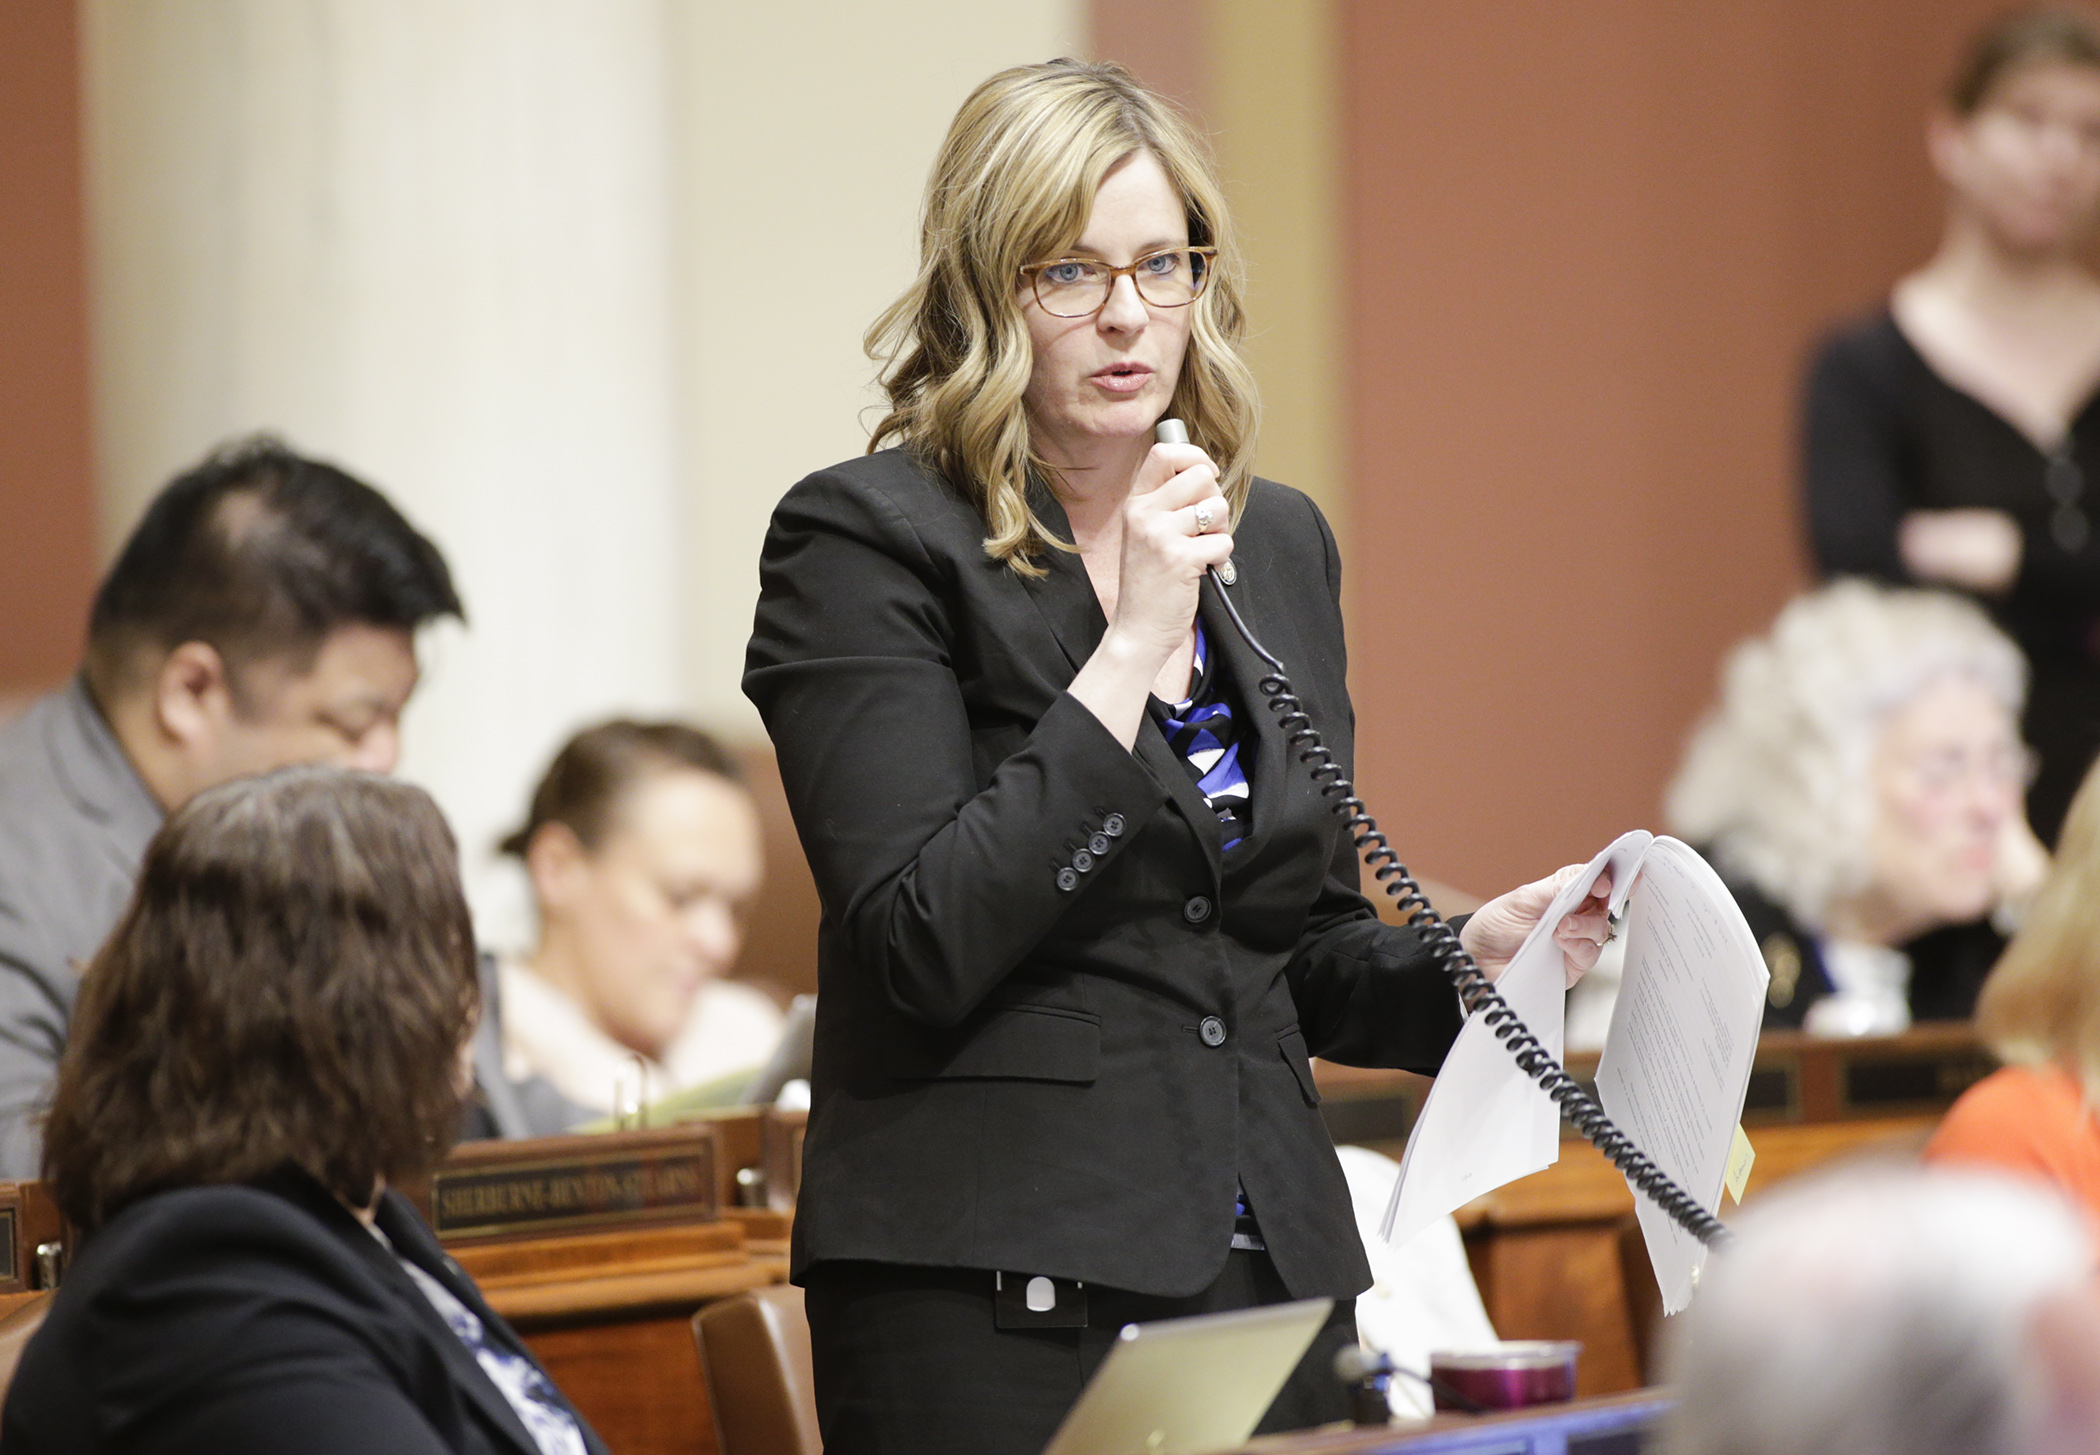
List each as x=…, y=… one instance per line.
x=1675, y=1065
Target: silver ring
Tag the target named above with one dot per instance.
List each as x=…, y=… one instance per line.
x=1203, y=519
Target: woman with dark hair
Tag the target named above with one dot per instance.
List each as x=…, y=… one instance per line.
x=1953, y=439
x=275, y=1033
x=1086, y=916
x=645, y=856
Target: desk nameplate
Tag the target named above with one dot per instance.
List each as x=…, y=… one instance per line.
x=1889, y=1084
x=572, y=1184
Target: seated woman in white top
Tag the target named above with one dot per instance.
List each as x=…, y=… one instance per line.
x=644, y=853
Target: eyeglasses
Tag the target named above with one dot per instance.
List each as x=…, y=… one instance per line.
x=1940, y=772
x=1080, y=287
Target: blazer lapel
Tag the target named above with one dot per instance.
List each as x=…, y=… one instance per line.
x=413, y=1240
x=1064, y=594
x=1065, y=597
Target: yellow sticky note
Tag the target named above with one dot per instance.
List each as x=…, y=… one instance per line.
x=1741, y=1157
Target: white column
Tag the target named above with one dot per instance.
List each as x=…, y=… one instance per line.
x=432, y=240
x=580, y=283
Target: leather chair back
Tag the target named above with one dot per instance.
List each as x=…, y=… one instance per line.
x=754, y=1352
x=15, y=1329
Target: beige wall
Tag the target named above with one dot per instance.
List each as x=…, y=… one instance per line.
x=1275, y=108
x=806, y=132
x=1262, y=79
x=1583, y=249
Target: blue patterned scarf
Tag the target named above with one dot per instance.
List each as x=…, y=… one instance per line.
x=1205, y=736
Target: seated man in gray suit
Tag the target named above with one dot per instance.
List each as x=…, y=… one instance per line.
x=263, y=613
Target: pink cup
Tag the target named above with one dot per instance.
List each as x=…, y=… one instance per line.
x=1508, y=1376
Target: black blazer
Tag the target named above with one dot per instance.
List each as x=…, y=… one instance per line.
x=1947, y=966
x=258, y=1318
x=1055, y=1025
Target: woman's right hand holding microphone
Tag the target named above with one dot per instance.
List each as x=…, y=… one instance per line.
x=1175, y=526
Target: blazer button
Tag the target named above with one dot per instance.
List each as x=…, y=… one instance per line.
x=1197, y=910
x=1098, y=845
x=1212, y=1030
x=1113, y=826
x=1068, y=880
x=1082, y=861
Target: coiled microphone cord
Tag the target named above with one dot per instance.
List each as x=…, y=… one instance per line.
x=1475, y=991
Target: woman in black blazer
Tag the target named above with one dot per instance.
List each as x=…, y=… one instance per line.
x=277, y=1029
x=1084, y=918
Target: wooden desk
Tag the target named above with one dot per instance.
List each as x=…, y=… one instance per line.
x=608, y=1312
x=1558, y=1254
x=621, y=1348
x=608, y=1309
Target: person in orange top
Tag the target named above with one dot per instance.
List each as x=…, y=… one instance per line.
x=2040, y=1013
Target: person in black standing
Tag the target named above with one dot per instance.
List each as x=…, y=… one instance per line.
x=1953, y=439
x=1086, y=915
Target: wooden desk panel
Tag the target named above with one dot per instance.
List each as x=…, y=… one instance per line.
x=636, y=1380
x=1564, y=1280
x=620, y=1346
x=1557, y=1254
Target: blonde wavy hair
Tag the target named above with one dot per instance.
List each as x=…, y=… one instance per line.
x=1014, y=183
x=2042, y=1002
x=1777, y=781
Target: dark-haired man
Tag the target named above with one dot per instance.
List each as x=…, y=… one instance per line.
x=263, y=613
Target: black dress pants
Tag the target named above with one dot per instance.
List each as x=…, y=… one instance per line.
x=910, y=1361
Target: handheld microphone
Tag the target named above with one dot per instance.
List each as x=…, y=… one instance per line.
x=1174, y=432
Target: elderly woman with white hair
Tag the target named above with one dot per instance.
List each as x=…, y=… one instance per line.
x=1859, y=787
